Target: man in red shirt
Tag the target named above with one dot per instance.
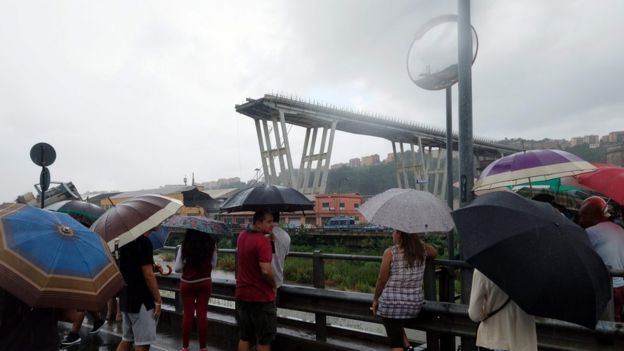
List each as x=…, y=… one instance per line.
x=256, y=313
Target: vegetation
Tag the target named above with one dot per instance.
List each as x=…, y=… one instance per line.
x=339, y=274
x=588, y=154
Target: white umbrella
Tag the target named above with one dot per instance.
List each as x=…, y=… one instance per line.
x=408, y=210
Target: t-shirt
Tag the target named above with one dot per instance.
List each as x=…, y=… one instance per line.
x=25, y=328
x=251, y=249
x=607, y=239
x=281, y=239
x=132, y=257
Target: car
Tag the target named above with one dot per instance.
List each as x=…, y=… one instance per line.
x=340, y=223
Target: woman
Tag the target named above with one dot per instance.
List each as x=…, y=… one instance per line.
x=196, y=258
x=399, y=289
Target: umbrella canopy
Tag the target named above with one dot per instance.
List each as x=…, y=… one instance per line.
x=542, y=260
x=530, y=166
x=159, y=237
x=214, y=228
x=49, y=260
x=273, y=197
x=408, y=210
x=130, y=219
x=82, y=211
x=608, y=181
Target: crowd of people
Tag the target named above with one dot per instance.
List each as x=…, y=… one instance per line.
x=261, y=251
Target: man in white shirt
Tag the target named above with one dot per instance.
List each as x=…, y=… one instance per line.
x=607, y=238
x=281, y=245
x=503, y=324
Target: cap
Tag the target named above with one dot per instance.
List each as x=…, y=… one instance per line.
x=597, y=202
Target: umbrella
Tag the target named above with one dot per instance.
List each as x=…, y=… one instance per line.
x=130, y=219
x=49, y=260
x=607, y=180
x=272, y=197
x=214, y=228
x=82, y=211
x=542, y=260
x=530, y=166
x=159, y=237
x=408, y=210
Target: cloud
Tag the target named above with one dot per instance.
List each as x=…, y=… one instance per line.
x=137, y=95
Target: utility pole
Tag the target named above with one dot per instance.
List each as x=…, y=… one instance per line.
x=465, y=55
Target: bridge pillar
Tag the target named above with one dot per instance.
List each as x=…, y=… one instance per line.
x=314, y=167
x=425, y=171
x=281, y=151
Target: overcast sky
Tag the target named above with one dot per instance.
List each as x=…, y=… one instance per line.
x=137, y=94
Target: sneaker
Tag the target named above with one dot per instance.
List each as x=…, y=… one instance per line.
x=96, y=326
x=71, y=339
x=184, y=349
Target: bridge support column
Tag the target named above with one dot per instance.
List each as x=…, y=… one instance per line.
x=281, y=151
x=414, y=174
x=314, y=165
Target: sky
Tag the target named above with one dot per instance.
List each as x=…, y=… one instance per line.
x=135, y=95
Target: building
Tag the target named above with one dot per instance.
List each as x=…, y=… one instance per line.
x=327, y=206
x=355, y=162
x=196, y=202
x=389, y=158
x=616, y=137
x=591, y=139
x=370, y=160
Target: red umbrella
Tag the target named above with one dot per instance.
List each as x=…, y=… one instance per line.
x=608, y=181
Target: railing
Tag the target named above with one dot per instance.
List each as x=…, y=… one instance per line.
x=441, y=318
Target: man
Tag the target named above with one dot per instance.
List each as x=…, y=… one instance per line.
x=140, y=299
x=607, y=238
x=255, y=285
x=281, y=242
x=503, y=325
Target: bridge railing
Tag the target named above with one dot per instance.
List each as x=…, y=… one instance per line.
x=441, y=318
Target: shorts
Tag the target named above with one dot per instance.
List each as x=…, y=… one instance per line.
x=257, y=321
x=139, y=328
x=395, y=330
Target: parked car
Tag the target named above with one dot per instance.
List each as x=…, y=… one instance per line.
x=340, y=223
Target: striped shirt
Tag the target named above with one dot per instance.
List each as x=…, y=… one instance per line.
x=403, y=296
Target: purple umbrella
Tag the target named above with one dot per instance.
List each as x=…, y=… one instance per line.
x=531, y=166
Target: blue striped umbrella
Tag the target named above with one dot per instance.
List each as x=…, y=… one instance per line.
x=50, y=260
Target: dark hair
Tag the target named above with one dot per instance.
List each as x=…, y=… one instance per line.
x=413, y=248
x=260, y=215
x=197, y=248
x=276, y=216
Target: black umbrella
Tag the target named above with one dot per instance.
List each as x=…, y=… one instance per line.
x=272, y=197
x=542, y=260
x=82, y=211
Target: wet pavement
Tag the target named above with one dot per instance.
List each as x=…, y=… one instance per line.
x=109, y=336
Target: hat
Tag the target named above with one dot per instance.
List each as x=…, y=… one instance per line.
x=597, y=202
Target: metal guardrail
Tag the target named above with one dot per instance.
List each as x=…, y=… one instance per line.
x=441, y=318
